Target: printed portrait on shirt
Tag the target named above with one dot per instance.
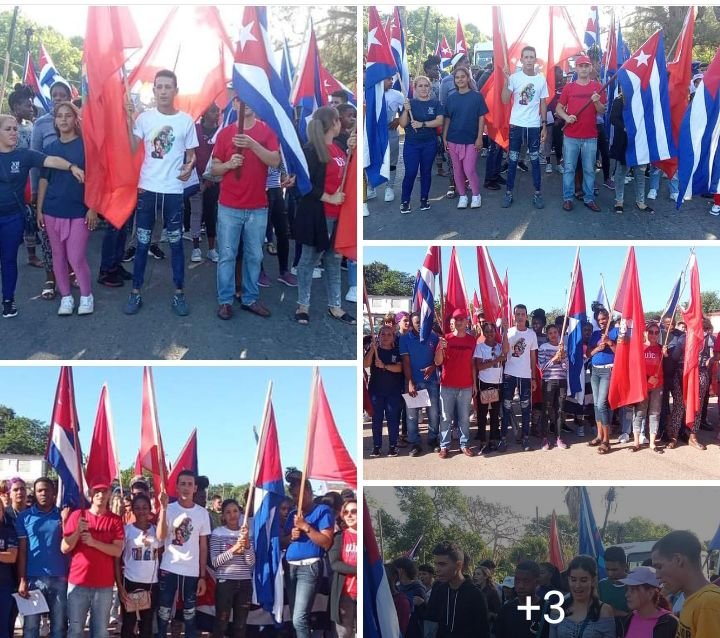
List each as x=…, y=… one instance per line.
x=163, y=141
x=519, y=348
x=182, y=530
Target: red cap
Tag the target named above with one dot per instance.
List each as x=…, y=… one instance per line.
x=99, y=485
x=582, y=59
x=459, y=313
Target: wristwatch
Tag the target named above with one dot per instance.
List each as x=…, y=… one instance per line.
x=424, y=125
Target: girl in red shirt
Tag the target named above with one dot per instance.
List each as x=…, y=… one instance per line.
x=343, y=561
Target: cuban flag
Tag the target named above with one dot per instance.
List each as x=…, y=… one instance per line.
x=331, y=84
x=576, y=318
x=269, y=493
x=287, y=70
x=307, y=93
x=425, y=291
x=615, y=55
x=380, y=65
x=414, y=307
x=258, y=84
x=646, y=111
x=590, y=542
x=397, y=43
x=379, y=616
x=699, y=157
x=48, y=74
x=672, y=303
x=592, y=30
x=63, y=450
x=444, y=52
x=30, y=78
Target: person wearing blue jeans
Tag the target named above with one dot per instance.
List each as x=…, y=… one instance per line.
x=601, y=350
x=654, y=186
x=420, y=117
x=351, y=295
x=112, y=274
x=41, y=565
x=493, y=166
x=170, y=586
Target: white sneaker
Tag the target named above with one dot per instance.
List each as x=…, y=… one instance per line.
x=293, y=271
x=366, y=211
x=462, y=201
x=652, y=194
x=389, y=194
x=196, y=255
x=371, y=192
x=548, y=168
x=623, y=438
x=476, y=201
x=628, y=179
x=543, y=160
x=67, y=305
x=560, y=168
x=715, y=210
x=213, y=255
x=317, y=273
x=674, y=196
x=87, y=305
x=643, y=439
x=187, y=236
x=351, y=294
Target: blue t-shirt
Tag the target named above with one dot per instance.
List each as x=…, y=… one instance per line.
x=8, y=540
x=422, y=354
x=383, y=382
x=606, y=355
x=65, y=196
x=14, y=169
x=464, y=110
x=320, y=517
x=43, y=531
x=423, y=111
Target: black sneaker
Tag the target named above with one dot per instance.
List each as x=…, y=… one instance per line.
x=522, y=166
x=129, y=254
x=566, y=429
x=392, y=451
x=155, y=251
x=424, y=204
x=500, y=180
x=9, y=309
x=110, y=278
x=526, y=444
x=375, y=453
x=405, y=208
x=415, y=451
x=124, y=274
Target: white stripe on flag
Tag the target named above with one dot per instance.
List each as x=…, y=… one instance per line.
x=714, y=139
x=642, y=152
x=662, y=145
x=67, y=452
x=698, y=122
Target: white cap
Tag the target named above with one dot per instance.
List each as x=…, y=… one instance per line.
x=641, y=576
x=509, y=582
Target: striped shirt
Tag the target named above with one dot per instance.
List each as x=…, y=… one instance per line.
x=556, y=370
x=227, y=565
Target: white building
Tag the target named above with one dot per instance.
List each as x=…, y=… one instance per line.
x=27, y=467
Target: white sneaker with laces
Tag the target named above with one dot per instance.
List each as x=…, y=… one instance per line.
x=715, y=210
x=462, y=201
x=196, y=255
x=213, y=255
x=476, y=201
x=643, y=439
x=67, y=305
x=351, y=294
x=87, y=305
x=317, y=273
x=623, y=438
x=652, y=194
x=366, y=211
x=389, y=195
x=371, y=192
x=548, y=168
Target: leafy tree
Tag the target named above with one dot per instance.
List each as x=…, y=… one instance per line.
x=529, y=548
x=635, y=530
x=710, y=301
x=230, y=490
x=128, y=474
x=20, y=435
x=380, y=280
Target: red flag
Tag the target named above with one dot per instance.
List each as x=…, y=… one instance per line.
x=455, y=296
x=628, y=382
x=490, y=295
x=193, y=43
x=327, y=458
x=497, y=119
x=554, y=549
x=476, y=309
x=679, y=76
x=186, y=460
x=112, y=171
x=508, y=310
x=694, y=335
x=103, y=466
x=151, y=455
x=563, y=44
x=346, y=234
x=460, y=43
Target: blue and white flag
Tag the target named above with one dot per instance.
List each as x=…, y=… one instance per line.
x=397, y=44
x=672, y=303
x=590, y=542
x=576, y=319
x=307, y=93
x=424, y=296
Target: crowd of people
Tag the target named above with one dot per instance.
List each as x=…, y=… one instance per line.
x=137, y=559
x=477, y=372
x=668, y=596
x=443, y=117
x=194, y=175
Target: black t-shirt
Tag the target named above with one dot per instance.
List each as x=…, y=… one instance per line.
x=513, y=623
x=382, y=381
x=460, y=613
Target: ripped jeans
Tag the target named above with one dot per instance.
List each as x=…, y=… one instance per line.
x=508, y=392
x=170, y=207
x=531, y=136
x=170, y=584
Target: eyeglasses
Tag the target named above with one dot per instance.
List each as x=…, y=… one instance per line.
x=350, y=512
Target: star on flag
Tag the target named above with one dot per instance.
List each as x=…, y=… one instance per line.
x=246, y=35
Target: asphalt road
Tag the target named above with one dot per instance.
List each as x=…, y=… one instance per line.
x=157, y=333
x=522, y=221
x=578, y=462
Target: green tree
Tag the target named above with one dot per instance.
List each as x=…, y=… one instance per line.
x=635, y=530
x=710, y=301
x=380, y=280
x=529, y=548
x=128, y=474
x=20, y=435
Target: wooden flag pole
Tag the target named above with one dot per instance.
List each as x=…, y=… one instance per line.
x=241, y=131
x=311, y=418
x=442, y=296
x=253, y=477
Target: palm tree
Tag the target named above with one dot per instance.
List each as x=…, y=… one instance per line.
x=610, y=500
x=572, y=500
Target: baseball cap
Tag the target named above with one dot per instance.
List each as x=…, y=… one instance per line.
x=96, y=486
x=459, y=313
x=582, y=59
x=641, y=576
x=509, y=582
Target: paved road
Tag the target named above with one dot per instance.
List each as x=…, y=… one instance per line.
x=578, y=462
x=157, y=333
x=522, y=221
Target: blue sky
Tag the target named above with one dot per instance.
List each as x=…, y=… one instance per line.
x=539, y=276
x=222, y=402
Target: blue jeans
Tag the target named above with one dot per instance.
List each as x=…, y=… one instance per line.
x=233, y=224
x=54, y=588
x=600, y=382
x=352, y=272
x=97, y=601
x=170, y=206
x=169, y=584
x=302, y=584
x=452, y=399
x=413, y=414
x=113, y=245
x=417, y=156
x=508, y=392
x=639, y=172
x=11, y=236
x=586, y=149
x=308, y=260
x=493, y=163
x=531, y=136
x=388, y=408
x=656, y=174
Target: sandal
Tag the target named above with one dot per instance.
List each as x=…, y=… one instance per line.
x=48, y=291
x=303, y=318
x=658, y=450
x=604, y=448
x=693, y=442
x=344, y=317
x=35, y=261
x=635, y=448
x=672, y=445
x=594, y=442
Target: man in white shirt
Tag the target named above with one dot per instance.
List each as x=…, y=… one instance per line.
x=184, y=529
x=520, y=350
x=529, y=91
x=170, y=141
x=394, y=101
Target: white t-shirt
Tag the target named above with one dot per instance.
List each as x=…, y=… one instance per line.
x=140, y=554
x=394, y=101
x=166, y=138
x=527, y=92
x=518, y=359
x=182, y=545
x=485, y=352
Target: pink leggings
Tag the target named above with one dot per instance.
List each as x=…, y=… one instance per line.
x=464, y=161
x=69, y=240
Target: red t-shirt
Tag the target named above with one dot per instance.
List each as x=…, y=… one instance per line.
x=653, y=365
x=349, y=557
x=89, y=567
x=249, y=190
x=573, y=97
x=457, y=369
x=333, y=178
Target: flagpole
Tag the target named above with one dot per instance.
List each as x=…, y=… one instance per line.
x=108, y=414
x=311, y=419
x=442, y=296
x=382, y=542
x=347, y=163
x=253, y=480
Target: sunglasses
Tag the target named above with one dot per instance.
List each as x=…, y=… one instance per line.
x=350, y=512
